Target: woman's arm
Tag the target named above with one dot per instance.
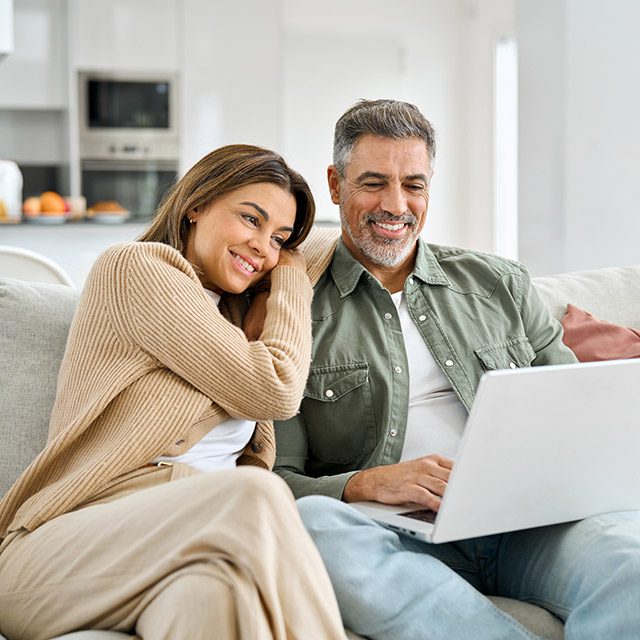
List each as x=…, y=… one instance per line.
x=157, y=304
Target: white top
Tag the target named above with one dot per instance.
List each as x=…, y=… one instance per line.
x=222, y=446
x=436, y=416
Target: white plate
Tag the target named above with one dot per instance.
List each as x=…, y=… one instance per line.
x=109, y=217
x=44, y=219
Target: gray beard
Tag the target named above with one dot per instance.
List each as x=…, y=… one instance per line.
x=385, y=252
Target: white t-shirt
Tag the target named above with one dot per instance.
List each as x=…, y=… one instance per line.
x=222, y=446
x=436, y=416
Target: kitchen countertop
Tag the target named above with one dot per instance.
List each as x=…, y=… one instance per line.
x=73, y=245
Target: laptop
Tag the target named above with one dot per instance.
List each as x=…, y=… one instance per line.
x=541, y=445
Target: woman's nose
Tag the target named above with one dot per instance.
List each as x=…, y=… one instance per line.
x=259, y=243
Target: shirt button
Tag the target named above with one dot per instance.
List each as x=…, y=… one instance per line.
x=513, y=365
x=329, y=393
x=388, y=316
x=393, y=433
x=410, y=280
x=422, y=318
x=448, y=363
x=397, y=369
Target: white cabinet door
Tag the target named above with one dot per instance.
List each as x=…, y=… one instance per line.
x=124, y=35
x=6, y=27
x=34, y=75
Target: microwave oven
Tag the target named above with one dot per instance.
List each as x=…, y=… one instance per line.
x=128, y=116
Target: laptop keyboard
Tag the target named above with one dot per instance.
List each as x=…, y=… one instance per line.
x=426, y=515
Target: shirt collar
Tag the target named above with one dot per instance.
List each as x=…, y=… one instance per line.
x=346, y=271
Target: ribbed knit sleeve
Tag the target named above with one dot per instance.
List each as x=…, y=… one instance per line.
x=156, y=303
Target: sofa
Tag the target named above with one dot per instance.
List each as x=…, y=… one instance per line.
x=34, y=320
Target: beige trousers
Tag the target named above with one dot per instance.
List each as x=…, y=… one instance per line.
x=218, y=555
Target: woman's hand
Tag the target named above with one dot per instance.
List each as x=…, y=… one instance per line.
x=253, y=322
x=292, y=258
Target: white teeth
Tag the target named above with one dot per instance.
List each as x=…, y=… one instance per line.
x=244, y=263
x=391, y=227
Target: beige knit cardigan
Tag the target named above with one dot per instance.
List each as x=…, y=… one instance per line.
x=151, y=364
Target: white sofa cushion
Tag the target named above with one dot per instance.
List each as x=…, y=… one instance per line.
x=611, y=294
x=34, y=322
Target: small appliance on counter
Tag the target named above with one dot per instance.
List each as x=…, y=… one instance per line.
x=10, y=191
x=128, y=125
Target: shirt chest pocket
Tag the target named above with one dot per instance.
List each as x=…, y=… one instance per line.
x=338, y=411
x=510, y=354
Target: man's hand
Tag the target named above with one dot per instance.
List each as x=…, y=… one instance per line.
x=422, y=481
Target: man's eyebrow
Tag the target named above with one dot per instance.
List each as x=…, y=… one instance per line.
x=265, y=215
x=372, y=174
x=383, y=176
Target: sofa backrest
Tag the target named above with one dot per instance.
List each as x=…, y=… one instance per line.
x=35, y=319
x=611, y=294
x=34, y=322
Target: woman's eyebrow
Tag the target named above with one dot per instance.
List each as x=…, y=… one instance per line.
x=258, y=208
x=265, y=215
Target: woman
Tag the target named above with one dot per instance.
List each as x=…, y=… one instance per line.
x=134, y=516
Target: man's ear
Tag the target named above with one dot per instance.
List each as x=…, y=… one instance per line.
x=333, y=179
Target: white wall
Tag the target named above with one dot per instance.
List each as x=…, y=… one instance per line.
x=338, y=52
x=231, y=75
x=579, y=136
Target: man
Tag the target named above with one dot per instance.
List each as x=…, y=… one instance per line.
x=402, y=334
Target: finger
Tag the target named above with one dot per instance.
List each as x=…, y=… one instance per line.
x=447, y=463
x=433, y=485
x=430, y=467
x=424, y=497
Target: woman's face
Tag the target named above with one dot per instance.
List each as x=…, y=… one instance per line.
x=236, y=240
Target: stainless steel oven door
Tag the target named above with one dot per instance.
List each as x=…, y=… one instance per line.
x=138, y=185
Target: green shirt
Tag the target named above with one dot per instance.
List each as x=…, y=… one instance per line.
x=475, y=312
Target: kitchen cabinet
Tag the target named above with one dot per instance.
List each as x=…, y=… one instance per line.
x=118, y=35
x=34, y=75
x=6, y=28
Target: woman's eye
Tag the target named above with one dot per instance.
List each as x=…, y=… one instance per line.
x=250, y=219
x=278, y=241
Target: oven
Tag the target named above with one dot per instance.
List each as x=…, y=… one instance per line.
x=129, y=140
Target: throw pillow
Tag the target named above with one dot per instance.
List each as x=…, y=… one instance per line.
x=592, y=339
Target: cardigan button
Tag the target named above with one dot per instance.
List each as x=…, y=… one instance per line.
x=179, y=442
x=256, y=447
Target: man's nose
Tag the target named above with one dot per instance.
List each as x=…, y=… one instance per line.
x=394, y=200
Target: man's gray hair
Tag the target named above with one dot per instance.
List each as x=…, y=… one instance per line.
x=386, y=118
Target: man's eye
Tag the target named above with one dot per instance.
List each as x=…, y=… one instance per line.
x=250, y=219
x=415, y=187
x=373, y=185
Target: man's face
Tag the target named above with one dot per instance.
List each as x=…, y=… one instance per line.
x=383, y=198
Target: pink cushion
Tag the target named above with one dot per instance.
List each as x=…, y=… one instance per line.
x=592, y=339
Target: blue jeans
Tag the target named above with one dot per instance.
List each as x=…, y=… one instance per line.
x=393, y=587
